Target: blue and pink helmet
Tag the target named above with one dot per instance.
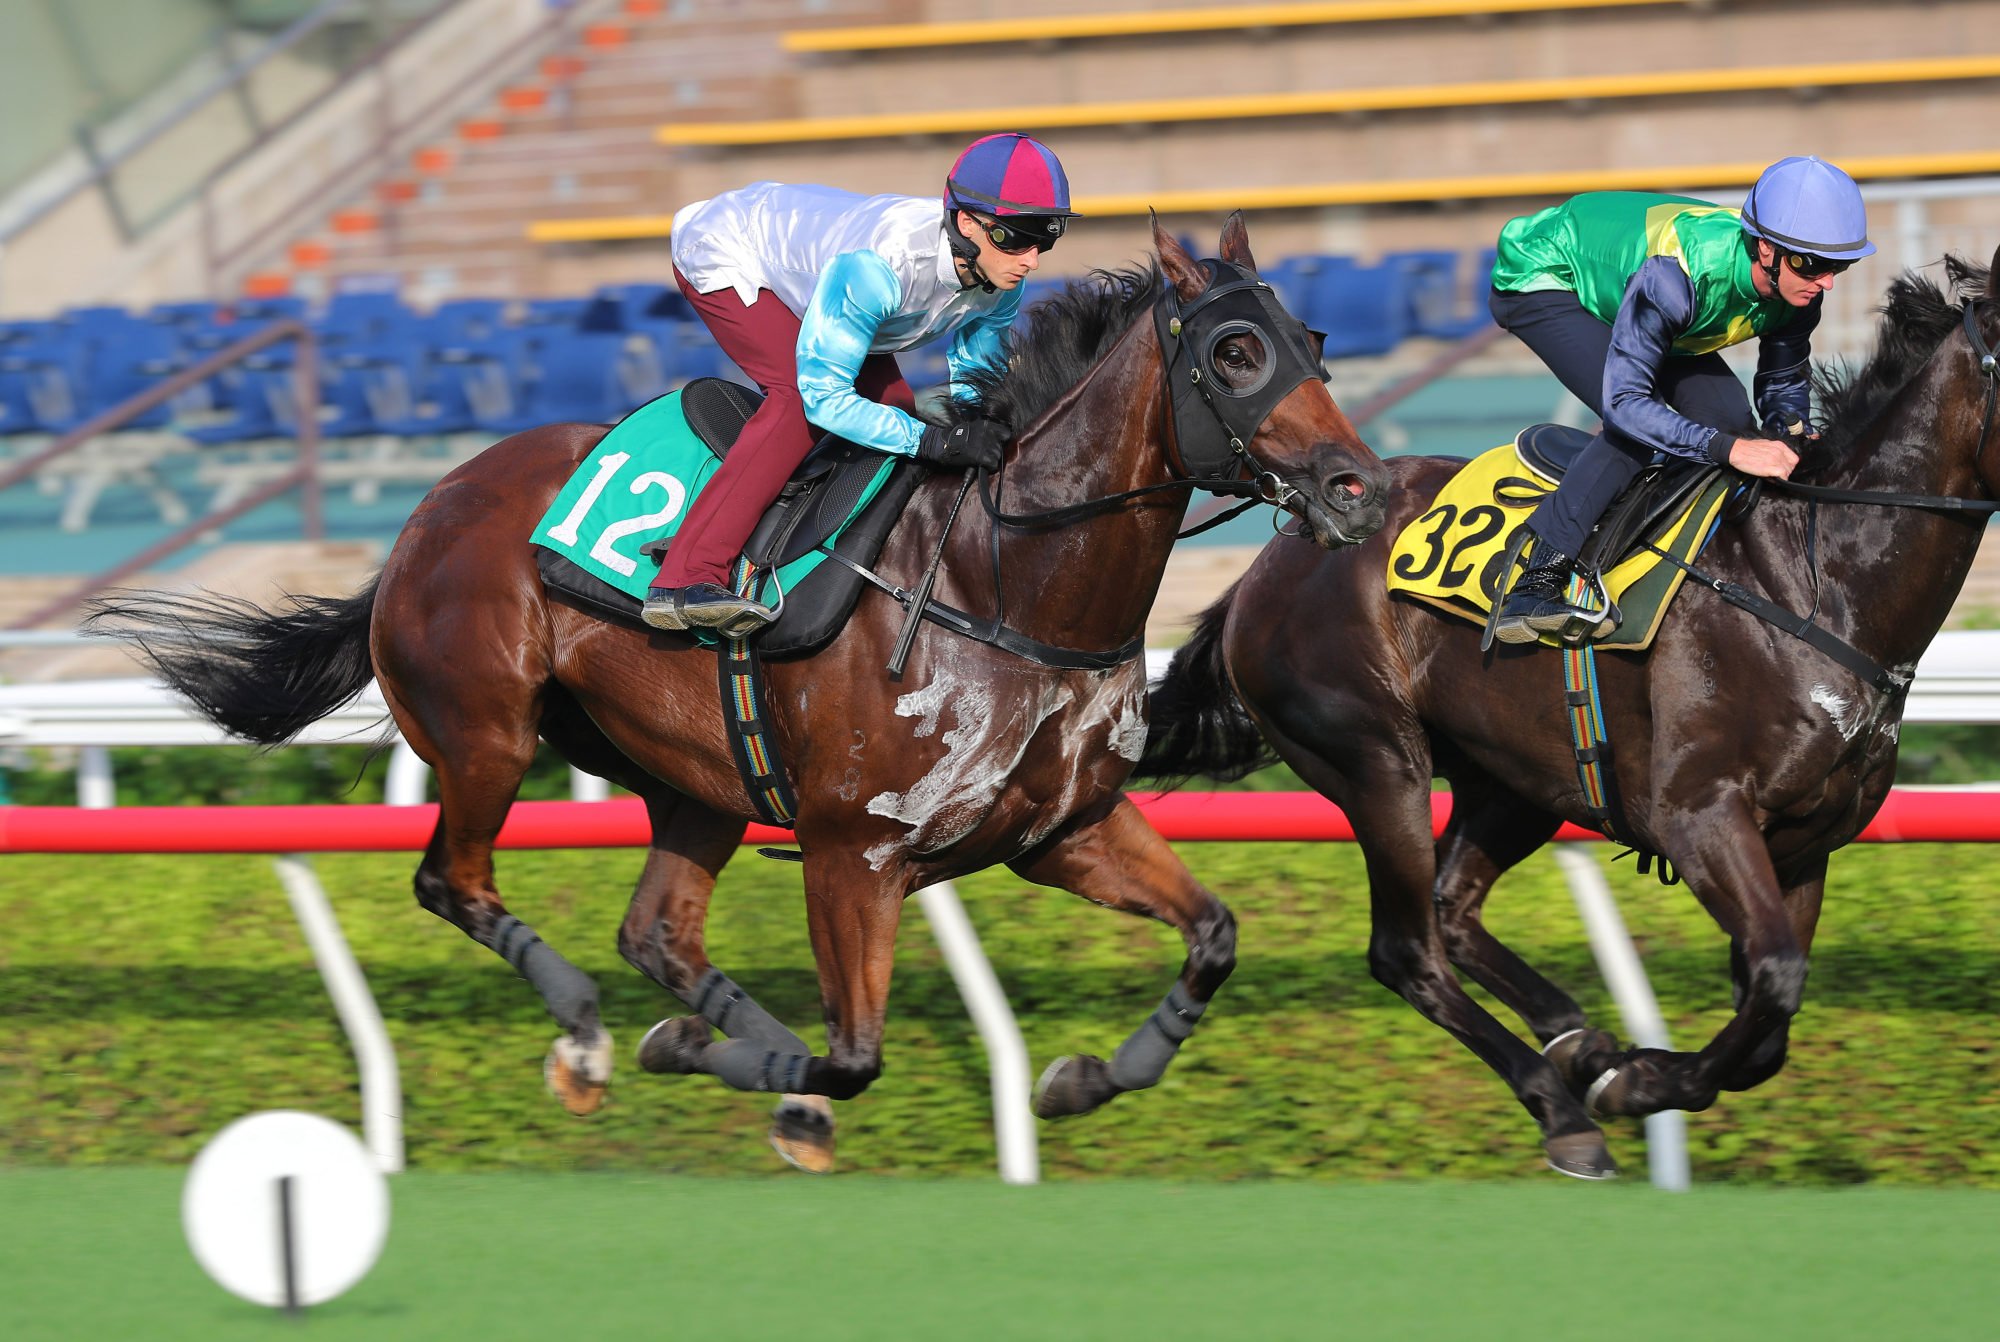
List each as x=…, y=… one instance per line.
x=1008, y=174
x=1807, y=205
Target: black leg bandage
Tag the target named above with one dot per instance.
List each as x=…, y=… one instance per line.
x=568, y=991
x=1142, y=1060
x=748, y=1064
x=720, y=1002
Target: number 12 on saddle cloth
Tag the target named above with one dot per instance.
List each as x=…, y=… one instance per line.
x=1451, y=556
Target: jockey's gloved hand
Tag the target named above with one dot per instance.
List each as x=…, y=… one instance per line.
x=972, y=442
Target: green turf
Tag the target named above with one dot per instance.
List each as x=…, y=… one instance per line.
x=99, y=1254
x=147, y=1002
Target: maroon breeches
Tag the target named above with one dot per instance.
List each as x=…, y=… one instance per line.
x=762, y=339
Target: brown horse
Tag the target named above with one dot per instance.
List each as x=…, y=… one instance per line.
x=975, y=755
x=1743, y=754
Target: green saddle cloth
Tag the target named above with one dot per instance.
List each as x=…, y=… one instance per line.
x=636, y=487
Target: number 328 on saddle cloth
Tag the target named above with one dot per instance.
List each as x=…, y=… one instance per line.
x=1451, y=557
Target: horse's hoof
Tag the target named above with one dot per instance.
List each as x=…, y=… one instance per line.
x=1073, y=1085
x=802, y=1132
x=1581, y=1155
x=1631, y=1089
x=1567, y=1053
x=674, y=1046
x=578, y=1074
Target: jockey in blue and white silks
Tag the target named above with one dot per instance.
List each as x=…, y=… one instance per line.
x=866, y=274
x=812, y=291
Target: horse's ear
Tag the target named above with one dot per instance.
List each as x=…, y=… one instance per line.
x=1180, y=269
x=1993, y=278
x=1236, y=242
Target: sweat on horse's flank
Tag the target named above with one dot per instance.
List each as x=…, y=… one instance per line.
x=526, y=1256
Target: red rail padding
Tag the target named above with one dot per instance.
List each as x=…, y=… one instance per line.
x=1909, y=816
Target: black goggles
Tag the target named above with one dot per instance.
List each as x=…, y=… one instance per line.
x=1024, y=233
x=1809, y=267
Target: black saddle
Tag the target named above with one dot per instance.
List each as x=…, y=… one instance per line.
x=814, y=503
x=1664, y=487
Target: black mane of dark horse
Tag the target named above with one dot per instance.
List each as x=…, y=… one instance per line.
x=1916, y=316
x=1742, y=754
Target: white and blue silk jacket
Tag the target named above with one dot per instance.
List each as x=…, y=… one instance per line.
x=865, y=274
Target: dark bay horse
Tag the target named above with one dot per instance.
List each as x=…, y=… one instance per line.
x=973, y=756
x=1742, y=754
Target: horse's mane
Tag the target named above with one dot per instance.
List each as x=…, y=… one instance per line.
x=1917, y=314
x=1068, y=332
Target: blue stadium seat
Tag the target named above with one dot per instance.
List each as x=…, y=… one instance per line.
x=1362, y=309
x=563, y=312
x=361, y=318
x=1431, y=287
x=574, y=378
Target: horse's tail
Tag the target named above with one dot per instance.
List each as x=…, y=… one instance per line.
x=1197, y=725
x=263, y=675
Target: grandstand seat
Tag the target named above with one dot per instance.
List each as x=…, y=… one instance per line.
x=463, y=319
x=258, y=387
x=17, y=412
x=91, y=360
x=553, y=311
x=256, y=311
x=1292, y=278
x=361, y=318
x=1361, y=308
x=1430, y=280
x=575, y=379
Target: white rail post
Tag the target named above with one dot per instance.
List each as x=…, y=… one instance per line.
x=381, y=1090
x=1006, y=1051
x=96, y=789
x=408, y=780
x=1618, y=961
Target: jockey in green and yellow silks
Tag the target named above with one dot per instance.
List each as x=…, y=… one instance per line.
x=1627, y=296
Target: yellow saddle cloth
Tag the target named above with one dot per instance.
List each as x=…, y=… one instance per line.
x=1451, y=556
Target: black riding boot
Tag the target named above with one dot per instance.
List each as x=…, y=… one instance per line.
x=1539, y=602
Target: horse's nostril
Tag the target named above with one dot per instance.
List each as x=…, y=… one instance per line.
x=1348, y=483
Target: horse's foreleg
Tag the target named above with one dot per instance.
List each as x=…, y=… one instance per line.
x=1767, y=1057
x=1115, y=858
x=1725, y=863
x=853, y=916
x=663, y=937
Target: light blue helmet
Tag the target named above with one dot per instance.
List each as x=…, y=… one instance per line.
x=1805, y=204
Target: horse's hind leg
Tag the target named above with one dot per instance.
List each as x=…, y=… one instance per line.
x=1492, y=830
x=1117, y=859
x=479, y=765
x=663, y=938
x=1390, y=809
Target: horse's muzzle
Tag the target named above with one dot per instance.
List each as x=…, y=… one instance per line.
x=1345, y=507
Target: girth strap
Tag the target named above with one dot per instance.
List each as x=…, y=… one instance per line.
x=741, y=673
x=1592, y=747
